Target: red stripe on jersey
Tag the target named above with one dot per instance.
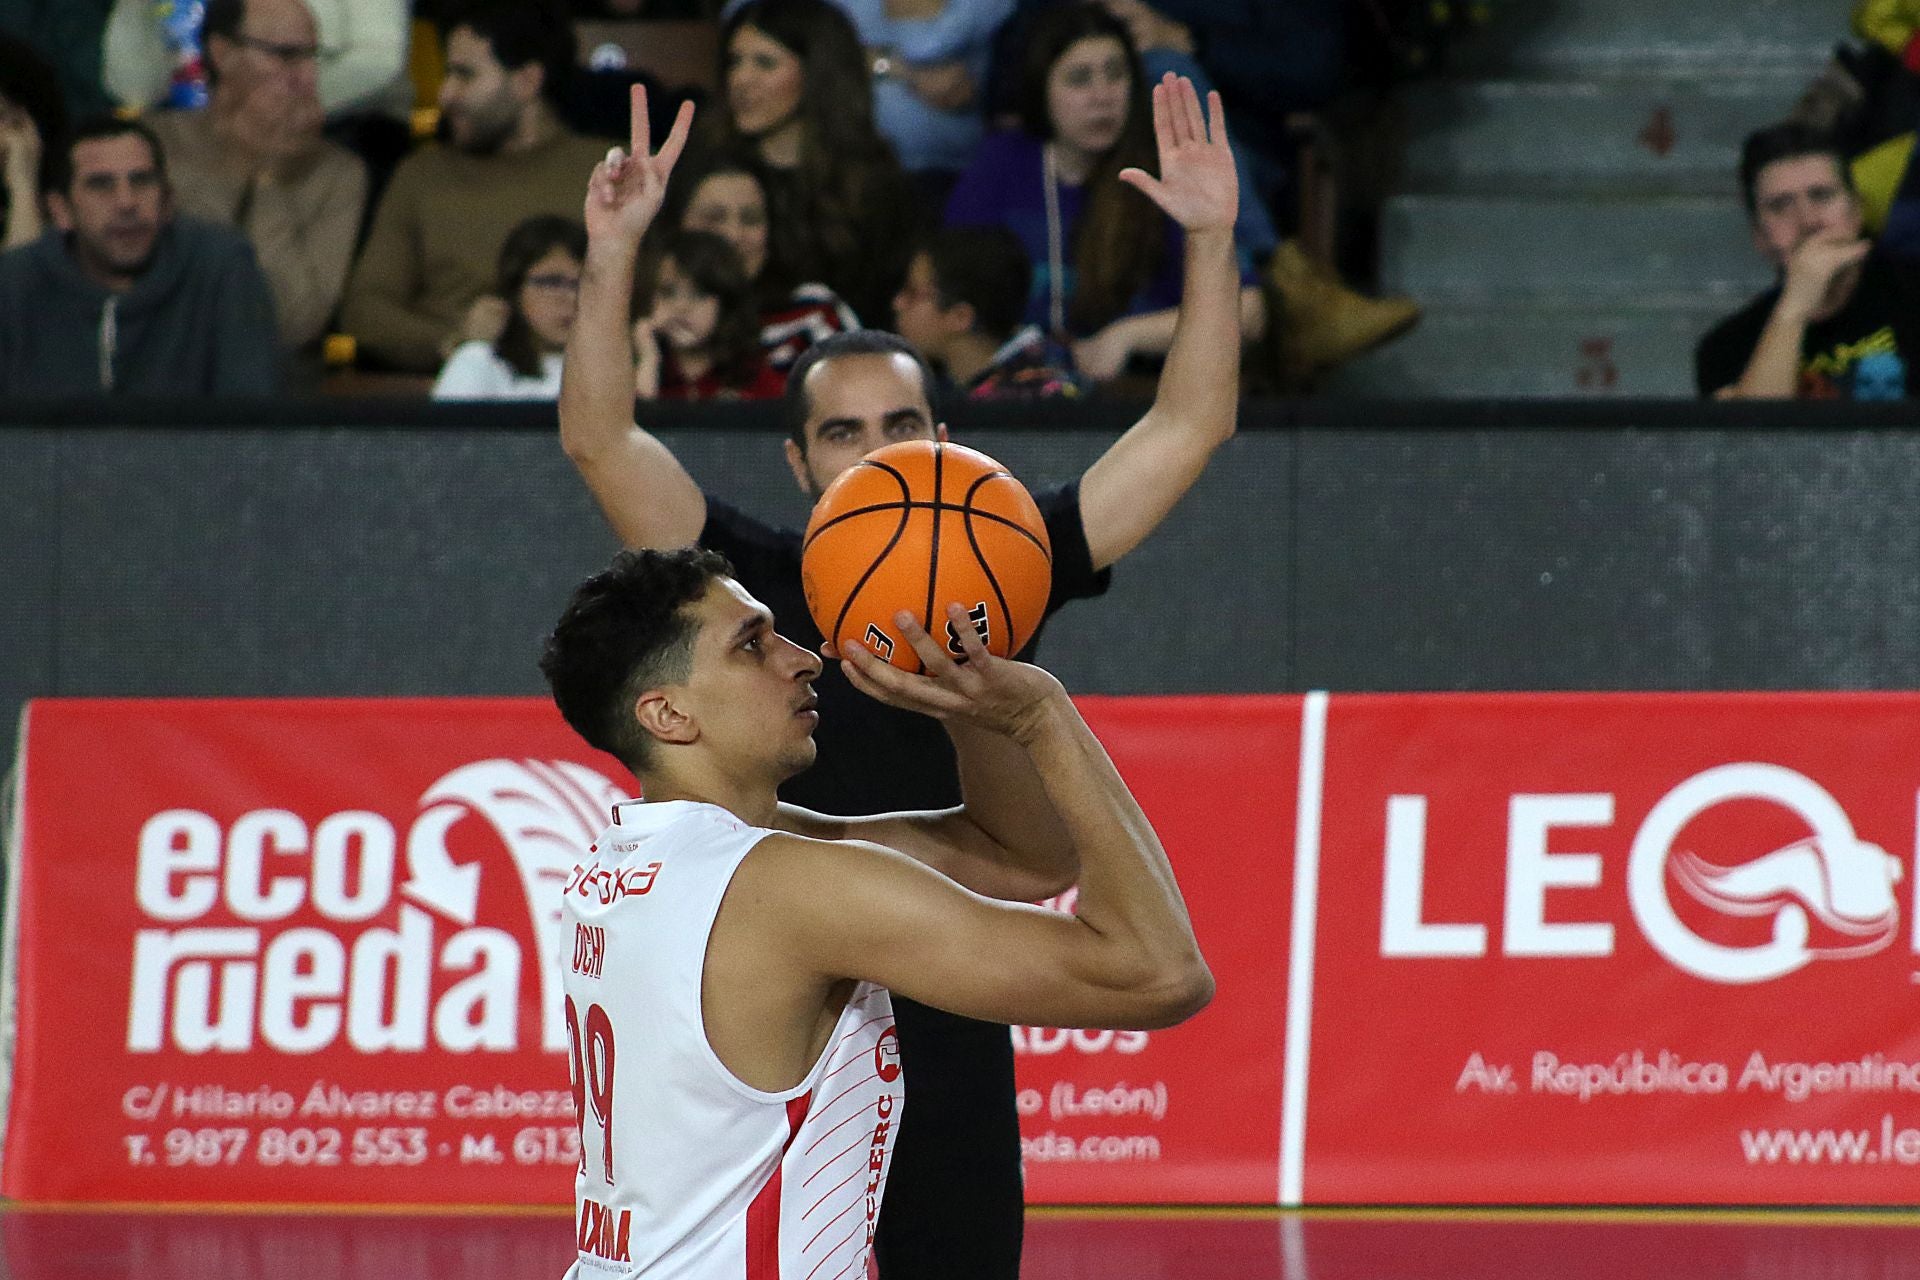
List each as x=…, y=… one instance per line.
x=763, y=1215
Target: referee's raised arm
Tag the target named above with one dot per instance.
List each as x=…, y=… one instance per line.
x=646, y=495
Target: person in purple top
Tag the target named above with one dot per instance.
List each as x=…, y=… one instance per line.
x=1106, y=262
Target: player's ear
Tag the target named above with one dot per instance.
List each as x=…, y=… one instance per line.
x=661, y=717
x=797, y=461
x=940, y=432
x=59, y=210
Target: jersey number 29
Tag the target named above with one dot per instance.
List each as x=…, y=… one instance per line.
x=590, y=1071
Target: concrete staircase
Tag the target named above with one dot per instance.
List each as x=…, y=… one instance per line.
x=1568, y=212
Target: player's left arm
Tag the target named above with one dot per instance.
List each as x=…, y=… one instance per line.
x=1132, y=487
x=1004, y=841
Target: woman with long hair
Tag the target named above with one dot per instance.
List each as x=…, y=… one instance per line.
x=726, y=194
x=1106, y=262
x=798, y=98
x=699, y=338
x=539, y=276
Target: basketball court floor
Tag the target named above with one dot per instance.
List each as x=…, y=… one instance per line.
x=104, y=1244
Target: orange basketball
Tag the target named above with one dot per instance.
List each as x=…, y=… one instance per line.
x=919, y=526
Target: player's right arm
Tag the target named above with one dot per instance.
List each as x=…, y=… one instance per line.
x=646, y=495
x=1127, y=957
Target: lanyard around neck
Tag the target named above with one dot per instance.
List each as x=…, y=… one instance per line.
x=1056, y=247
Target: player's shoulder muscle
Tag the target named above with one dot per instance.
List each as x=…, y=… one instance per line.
x=814, y=889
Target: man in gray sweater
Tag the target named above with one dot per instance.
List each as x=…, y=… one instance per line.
x=121, y=297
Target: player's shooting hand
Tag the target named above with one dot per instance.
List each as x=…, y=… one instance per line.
x=1817, y=274
x=1197, y=186
x=998, y=694
x=627, y=187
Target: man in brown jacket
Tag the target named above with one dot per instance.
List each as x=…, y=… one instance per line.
x=425, y=279
x=255, y=160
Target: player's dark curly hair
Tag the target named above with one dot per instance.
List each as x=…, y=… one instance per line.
x=625, y=631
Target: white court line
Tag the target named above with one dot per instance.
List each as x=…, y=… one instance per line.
x=1293, y=1249
x=1306, y=898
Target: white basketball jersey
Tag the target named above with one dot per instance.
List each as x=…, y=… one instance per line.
x=687, y=1173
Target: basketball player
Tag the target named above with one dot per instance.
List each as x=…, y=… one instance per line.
x=956, y=1206
x=733, y=1052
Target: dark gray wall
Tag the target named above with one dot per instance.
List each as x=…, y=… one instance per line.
x=1406, y=549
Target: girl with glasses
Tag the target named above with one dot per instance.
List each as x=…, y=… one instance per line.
x=539, y=276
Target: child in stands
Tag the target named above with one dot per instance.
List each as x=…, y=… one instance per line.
x=699, y=335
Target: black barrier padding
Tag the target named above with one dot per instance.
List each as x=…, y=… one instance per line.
x=385, y=549
x=336, y=561
x=1097, y=414
x=30, y=562
x=1608, y=560
x=316, y=562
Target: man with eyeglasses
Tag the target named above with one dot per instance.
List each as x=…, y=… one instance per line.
x=1844, y=321
x=120, y=297
x=254, y=159
x=424, y=282
x=363, y=63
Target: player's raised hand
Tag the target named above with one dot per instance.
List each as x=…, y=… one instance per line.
x=626, y=189
x=995, y=693
x=1197, y=186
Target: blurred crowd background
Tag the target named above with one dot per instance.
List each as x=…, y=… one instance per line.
x=254, y=197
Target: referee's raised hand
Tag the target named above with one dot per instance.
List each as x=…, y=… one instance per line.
x=627, y=188
x=1198, y=186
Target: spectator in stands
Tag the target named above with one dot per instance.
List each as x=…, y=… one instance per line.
x=539, y=274
x=700, y=336
x=255, y=160
x=966, y=290
x=727, y=195
x=421, y=287
x=1844, y=321
x=1106, y=263
x=1867, y=99
x=1269, y=60
x=365, y=46
x=33, y=118
x=929, y=60
x=122, y=297
x=1167, y=45
x=798, y=95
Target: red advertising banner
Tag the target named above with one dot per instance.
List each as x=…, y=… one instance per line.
x=1616, y=949
x=298, y=952
x=1190, y=1115
x=1469, y=949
